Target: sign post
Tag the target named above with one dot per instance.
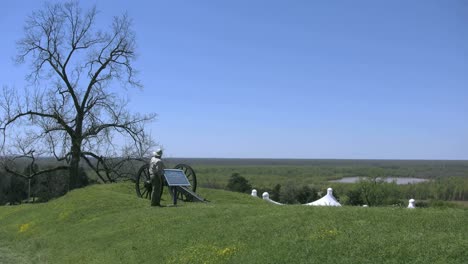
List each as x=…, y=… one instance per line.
x=175, y=178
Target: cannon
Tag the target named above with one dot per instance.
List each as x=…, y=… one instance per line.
x=186, y=193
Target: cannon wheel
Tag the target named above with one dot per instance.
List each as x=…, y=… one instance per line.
x=190, y=173
x=192, y=178
x=143, y=184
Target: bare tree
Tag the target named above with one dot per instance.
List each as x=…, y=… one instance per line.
x=72, y=109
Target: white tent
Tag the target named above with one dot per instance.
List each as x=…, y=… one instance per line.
x=327, y=200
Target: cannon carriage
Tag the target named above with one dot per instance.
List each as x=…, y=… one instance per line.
x=184, y=192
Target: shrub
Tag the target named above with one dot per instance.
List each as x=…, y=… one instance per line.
x=238, y=183
x=354, y=197
x=293, y=194
x=288, y=193
x=55, y=184
x=306, y=194
x=50, y=185
x=275, y=193
x=17, y=191
x=439, y=204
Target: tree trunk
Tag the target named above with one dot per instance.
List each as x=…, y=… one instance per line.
x=29, y=189
x=74, y=176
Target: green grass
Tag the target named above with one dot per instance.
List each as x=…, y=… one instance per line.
x=109, y=224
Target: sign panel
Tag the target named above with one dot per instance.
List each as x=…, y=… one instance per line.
x=176, y=177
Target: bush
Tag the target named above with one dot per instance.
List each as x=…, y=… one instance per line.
x=288, y=193
x=274, y=193
x=14, y=189
x=306, y=194
x=55, y=184
x=438, y=204
x=50, y=185
x=354, y=197
x=238, y=183
x=3, y=187
x=293, y=194
x=17, y=191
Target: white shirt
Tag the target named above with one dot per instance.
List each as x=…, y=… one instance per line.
x=156, y=166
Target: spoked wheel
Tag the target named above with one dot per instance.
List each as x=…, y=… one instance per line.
x=192, y=178
x=143, y=183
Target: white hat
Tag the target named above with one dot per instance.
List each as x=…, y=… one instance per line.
x=158, y=152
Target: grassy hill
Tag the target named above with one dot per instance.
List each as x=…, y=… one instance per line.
x=109, y=224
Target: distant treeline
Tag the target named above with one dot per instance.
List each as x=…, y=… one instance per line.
x=269, y=175
x=293, y=179
x=335, y=168
x=449, y=179
x=375, y=192
x=342, y=167
x=371, y=191
x=322, y=162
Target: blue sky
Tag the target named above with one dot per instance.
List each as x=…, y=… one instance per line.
x=292, y=79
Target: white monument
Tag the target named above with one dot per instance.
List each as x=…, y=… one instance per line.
x=411, y=204
x=266, y=197
x=254, y=193
x=327, y=200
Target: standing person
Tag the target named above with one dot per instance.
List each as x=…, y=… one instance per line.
x=156, y=171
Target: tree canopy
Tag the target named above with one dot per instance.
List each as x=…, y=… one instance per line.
x=73, y=108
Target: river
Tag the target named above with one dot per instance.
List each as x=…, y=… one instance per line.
x=398, y=180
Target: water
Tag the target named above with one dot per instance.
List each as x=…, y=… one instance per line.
x=402, y=180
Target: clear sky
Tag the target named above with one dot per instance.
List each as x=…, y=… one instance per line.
x=292, y=79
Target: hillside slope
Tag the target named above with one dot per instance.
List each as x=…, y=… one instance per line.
x=109, y=224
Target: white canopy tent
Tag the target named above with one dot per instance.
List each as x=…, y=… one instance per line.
x=327, y=200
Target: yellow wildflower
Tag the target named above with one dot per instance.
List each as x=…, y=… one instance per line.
x=227, y=251
x=24, y=227
x=64, y=215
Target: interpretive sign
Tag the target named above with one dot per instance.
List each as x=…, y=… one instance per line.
x=176, y=177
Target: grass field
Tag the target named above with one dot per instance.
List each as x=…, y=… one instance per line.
x=109, y=224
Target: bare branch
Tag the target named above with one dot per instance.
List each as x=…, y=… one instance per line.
x=70, y=111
